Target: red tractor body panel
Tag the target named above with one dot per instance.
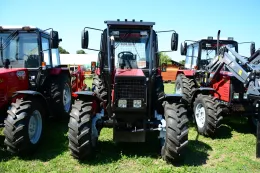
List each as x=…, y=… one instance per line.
x=12, y=80
x=222, y=87
x=131, y=72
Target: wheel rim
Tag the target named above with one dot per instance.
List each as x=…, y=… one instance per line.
x=178, y=89
x=35, y=127
x=67, y=98
x=200, y=115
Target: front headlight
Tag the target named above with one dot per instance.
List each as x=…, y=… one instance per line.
x=236, y=96
x=137, y=104
x=122, y=103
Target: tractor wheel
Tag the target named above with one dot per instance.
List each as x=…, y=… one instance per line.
x=207, y=112
x=61, y=96
x=24, y=126
x=81, y=142
x=185, y=86
x=176, y=131
x=99, y=88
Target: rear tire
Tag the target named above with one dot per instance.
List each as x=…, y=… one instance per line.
x=208, y=114
x=185, y=86
x=99, y=88
x=176, y=132
x=61, y=96
x=24, y=126
x=80, y=131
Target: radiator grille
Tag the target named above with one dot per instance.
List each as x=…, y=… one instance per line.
x=130, y=89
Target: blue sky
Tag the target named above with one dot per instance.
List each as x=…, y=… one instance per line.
x=191, y=19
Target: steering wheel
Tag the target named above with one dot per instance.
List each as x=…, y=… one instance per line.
x=127, y=53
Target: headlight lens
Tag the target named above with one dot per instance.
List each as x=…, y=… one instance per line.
x=236, y=96
x=122, y=103
x=137, y=104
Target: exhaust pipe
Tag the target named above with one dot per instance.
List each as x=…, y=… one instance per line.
x=218, y=42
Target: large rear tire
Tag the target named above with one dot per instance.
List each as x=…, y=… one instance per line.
x=99, y=88
x=176, y=138
x=208, y=114
x=81, y=144
x=185, y=86
x=61, y=96
x=24, y=126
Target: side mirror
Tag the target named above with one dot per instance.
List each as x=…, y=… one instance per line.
x=252, y=48
x=84, y=39
x=54, y=39
x=183, y=48
x=93, y=67
x=164, y=66
x=174, y=41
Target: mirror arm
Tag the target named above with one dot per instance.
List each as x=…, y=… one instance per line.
x=93, y=29
x=164, y=51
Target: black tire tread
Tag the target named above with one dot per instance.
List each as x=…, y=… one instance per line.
x=80, y=130
x=15, y=130
x=188, y=87
x=213, y=114
x=176, y=131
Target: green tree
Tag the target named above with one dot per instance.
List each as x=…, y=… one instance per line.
x=81, y=52
x=164, y=58
x=63, y=51
x=182, y=62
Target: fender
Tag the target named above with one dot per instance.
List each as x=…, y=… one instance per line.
x=187, y=73
x=88, y=95
x=203, y=90
x=171, y=98
x=33, y=93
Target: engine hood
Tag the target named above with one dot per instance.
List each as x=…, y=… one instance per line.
x=129, y=72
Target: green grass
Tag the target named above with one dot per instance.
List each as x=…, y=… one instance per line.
x=233, y=150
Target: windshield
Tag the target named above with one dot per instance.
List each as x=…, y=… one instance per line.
x=132, y=49
x=21, y=49
x=209, y=51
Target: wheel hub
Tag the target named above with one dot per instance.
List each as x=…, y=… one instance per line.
x=200, y=115
x=67, y=98
x=35, y=127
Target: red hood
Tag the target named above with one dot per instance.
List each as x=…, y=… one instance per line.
x=129, y=72
x=10, y=70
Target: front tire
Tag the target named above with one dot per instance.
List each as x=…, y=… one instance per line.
x=207, y=112
x=81, y=143
x=176, y=138
x=24, y=126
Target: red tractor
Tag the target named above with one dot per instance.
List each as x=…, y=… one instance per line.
x=217, y=81
x=33, y=85
x=128, y=94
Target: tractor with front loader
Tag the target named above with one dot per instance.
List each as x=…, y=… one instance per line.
x=128, y=94
x=217, y=81
x=33, y=85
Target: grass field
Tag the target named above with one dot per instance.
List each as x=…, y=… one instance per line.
x=233, y=150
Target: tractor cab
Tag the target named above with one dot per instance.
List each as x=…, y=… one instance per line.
x=200, y=53
x=28, y=47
